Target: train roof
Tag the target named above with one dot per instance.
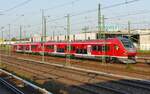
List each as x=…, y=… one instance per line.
x=83, y=42
x=73, y=42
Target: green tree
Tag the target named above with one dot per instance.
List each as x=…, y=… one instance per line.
x=13, y=39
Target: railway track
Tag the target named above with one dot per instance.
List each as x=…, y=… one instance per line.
x=89, y=83
x=16, y=85
x=140, y=70
x=144, y=61
x=13, y=89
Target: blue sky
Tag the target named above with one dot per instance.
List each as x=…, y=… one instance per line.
x=29, y=15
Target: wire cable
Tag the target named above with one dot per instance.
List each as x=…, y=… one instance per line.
x=62, y=5
x=16, y=6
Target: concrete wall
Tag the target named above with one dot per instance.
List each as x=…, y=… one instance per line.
x=87, y=36
x=145, y=42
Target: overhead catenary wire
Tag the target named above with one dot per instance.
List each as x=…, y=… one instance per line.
x=130, y=14
x=54, y=7
x=77, y=14
x=14, y=7
x=61, y=5
x=107, y=7
x=17, y=6
x=84, y=12
x=109, y=18
x=92, y=10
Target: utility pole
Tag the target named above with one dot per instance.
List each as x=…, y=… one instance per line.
x=103, y=23
x=44, y=29
x=101, y=30
x=43, y=35
x=68, y=40
x=104, y=38
x=20, y=33
x=68, y=27
x=99, y=21
x=2, y=36
x=9, y=40
x=53, y=35
x=129, y=27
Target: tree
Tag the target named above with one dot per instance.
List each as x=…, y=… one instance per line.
x=13, y=39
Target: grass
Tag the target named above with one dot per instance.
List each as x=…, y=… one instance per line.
x=129, y=66
x=5, y=47
x=21, y=75
x=143, y=51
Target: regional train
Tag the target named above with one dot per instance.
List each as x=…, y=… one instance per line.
x=112, y=49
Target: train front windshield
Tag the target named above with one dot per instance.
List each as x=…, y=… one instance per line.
x=127, y=43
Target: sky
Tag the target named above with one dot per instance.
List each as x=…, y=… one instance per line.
x=28, y=14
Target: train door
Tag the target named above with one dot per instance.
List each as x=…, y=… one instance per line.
x=55, y=48
x=30, y=48
x=89, y=49
x=115, y=48
x=17, y=47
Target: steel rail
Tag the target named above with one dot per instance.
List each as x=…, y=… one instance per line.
x=80, y=87
x=26, y=82
x=118, y=91
x=82, y=70
x=11, y=87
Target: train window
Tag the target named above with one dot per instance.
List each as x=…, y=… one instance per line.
x=81, y=51
x=78, y=51
x=33, y=46
x=72, y=48
x=65, y=47
x=50, y=47
x=20, y=47
x=100, y=48
x=127, y=43
x=105, y=48
x=97, y=48
x=94, y=47
x=84, y=51
x=60, y=50
x=27, y=48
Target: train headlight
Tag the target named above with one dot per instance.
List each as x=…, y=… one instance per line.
x=117, y=47
x=125, y=53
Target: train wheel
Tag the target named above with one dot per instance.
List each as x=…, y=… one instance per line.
x=113, y=60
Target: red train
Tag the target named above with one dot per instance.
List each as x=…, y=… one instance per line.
x=113, y=49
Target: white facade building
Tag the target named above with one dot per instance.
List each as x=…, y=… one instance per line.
x=144, y=38
x=145, y=42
